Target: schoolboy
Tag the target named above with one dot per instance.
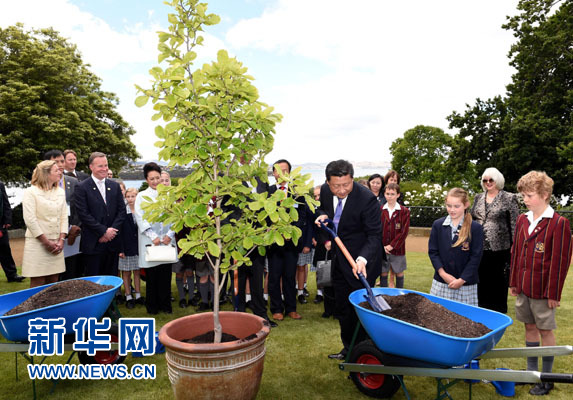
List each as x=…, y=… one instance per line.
x=540, y=258
x=395, y=226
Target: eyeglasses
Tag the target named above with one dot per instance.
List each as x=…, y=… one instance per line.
x=488, y=180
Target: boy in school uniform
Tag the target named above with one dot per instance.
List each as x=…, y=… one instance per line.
x=395, y=227
x=540, y=258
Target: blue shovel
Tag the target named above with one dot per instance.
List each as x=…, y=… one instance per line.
x=378, y=303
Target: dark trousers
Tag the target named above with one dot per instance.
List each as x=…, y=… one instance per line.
x=74, y=267
x=492, y=286
x=345, y=313
x=254, y=274
x=282, y=264
x=329, y=303
x=6, y=259
x=101, y=264
x=158, y=288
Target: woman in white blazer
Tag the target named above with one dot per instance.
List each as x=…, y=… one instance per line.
x=46, y=217
x=158, y=275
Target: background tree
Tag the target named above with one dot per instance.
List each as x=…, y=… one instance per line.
x=50, y=100
x=422, y=155
x=215, y=122
x=532, y=127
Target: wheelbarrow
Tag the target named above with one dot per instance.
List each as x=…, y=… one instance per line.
x=398, y=348
x=15, y=327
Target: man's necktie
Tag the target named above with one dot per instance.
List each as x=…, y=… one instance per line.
x=102, y=190
x=338, y=213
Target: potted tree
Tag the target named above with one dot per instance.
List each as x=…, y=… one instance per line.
x=215, y=123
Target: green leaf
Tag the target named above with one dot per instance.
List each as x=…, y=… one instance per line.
x=172, y=126
x=213, y=249
x=247, y=242
x=140, y=101
x=171, y=100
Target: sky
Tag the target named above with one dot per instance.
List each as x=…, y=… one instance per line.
x=348, y=77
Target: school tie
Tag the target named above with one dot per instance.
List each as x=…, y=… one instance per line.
x=337, y=214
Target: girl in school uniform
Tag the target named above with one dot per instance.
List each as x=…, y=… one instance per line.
x=395, y=227
x=455, y=249
x=129, y=256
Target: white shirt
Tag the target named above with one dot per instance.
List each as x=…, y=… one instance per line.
x=101, y=187
x=391, y=211
x=455, y=229
x=548, y=213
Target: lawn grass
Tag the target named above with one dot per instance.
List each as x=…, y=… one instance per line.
x=296, y=366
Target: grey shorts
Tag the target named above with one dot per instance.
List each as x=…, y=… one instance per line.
x=185, y=263
x=203, y=268
x=397, y=263
x=535, y=311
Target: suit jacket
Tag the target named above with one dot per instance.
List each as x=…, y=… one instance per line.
x=461, y=261
x=96, y=215
x=80, y=176
x=45, y=212
x=302, y=223
x=395, y=229
x=70, y=184
x=129, y=235
x=498, y=219
x=540, y=261
x=359, y=229
x=6, y=210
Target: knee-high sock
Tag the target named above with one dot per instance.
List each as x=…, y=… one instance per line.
x=204, y=290
x=547, y=363
x=532, y=362
x=190, y=286
x=384, y=281
x=399, y=281
x=180, y=289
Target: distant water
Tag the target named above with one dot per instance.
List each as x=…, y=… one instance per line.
x=317, y=175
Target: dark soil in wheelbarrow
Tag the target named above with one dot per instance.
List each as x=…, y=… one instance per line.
x=418, y=310
x=59, y=293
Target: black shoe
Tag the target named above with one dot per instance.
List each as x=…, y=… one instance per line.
x=325, y=315
x=140, y=300
x=541, y=389
x=302, y=299
x=305, y=292
x=193, y=302
x=203, y=306
x=272, y=323
x=318, y=299
x=338, y=356
x=130, y=303
x=182, y=303
x=16, y=278
x=248, y=305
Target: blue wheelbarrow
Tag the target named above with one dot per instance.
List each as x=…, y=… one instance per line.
x=15, y=327
x=397, y=348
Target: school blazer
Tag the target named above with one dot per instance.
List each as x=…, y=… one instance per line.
x=395, y=229
x=540, y=261
x=461, y=261
x=359, y=229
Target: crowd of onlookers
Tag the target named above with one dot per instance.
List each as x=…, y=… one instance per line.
x=85, y=225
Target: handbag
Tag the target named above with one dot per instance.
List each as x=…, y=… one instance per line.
x=323, y=272
x=164, y=254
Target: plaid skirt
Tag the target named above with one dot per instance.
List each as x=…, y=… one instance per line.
x=129, y=263
x=466, y=294
x=304, y=259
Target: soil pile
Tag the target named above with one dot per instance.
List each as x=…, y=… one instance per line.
x=418, y=310
x=59, y=293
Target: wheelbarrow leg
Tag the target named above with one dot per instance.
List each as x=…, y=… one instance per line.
x=352, y=342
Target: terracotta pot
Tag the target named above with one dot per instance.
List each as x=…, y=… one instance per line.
x=231, y=370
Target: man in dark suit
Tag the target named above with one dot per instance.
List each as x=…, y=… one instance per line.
x=70, y=162
x=101, y=208
x=356, y=215
x=6, y=259
x=74, y=267
x=283, y=259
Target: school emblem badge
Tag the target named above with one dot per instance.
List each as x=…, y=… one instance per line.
x=466, y=246
x=539, y=247
x=398, y=226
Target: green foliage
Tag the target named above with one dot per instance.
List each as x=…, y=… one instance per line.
x=530, y=128
x=50, y=100
x=422, y=155
x=214, y=121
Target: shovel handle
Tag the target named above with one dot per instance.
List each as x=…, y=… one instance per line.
x=339, y=243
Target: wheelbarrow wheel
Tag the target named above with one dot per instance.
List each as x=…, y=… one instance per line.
x=104, y=357
x=381, y=386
